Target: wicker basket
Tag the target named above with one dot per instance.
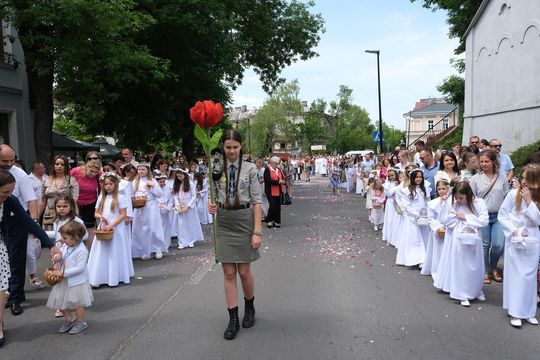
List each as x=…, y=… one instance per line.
x=103, y=235
x=53, y=276
x=138, y=201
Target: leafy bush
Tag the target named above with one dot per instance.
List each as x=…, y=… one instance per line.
x=519, y=156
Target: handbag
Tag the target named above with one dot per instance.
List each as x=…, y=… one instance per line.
x=49, y=216
x=468, y=235
x=522, y=241
x=285, y=199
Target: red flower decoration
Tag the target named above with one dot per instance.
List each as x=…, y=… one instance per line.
x=206, y=114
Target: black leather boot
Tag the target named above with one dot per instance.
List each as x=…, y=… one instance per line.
x=249, y=313
x=234, y=324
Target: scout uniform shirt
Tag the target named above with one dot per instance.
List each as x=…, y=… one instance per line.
x=249, y=189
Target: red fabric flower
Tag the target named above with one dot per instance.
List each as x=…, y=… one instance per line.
x=206, y=114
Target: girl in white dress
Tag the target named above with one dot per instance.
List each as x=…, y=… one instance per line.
x=110, y=261
x=359, y=180
x=66, y=210
x=395, y=236
x=461, y=266
x=377, y=200
x=412, y=249
x=437, y=232
x=201, y=191
x=390, y=187
x=519, y=216
x=147, y=230
x=73, y=292
x=184, y=197
x=165, y=209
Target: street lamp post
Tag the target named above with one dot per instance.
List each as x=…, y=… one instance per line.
x=379, y=87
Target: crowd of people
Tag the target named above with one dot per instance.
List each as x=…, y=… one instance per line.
x=453, y=214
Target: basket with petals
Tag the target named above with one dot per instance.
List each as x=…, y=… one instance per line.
x=53, y=276
x=103, y=235
x=138, y=201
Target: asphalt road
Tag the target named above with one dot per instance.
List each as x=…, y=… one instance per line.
x=326, y=288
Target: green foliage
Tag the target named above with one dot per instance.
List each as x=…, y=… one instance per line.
x=453, y=138
x=132, y=69
x=519, y=156
x=453, y=89
x=460, y=14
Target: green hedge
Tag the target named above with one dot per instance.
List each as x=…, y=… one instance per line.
x=520, y=156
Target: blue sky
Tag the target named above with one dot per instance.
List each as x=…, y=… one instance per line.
x=414, y=59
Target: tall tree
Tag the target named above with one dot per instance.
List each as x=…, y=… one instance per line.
x=275, y=119
x=71, y=47
x=132, y=69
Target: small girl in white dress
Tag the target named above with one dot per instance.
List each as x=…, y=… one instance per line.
x=519, y=216
x=390, y=187
x=147, y=230
x=164, y=203
x=377, y=201
x=73, y=292
x=110, y=261
x=201, y=191
x=461, y=266
x=437, y=231
x=411, y=251
x=189, y=226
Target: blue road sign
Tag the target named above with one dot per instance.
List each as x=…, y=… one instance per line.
x=376, y=138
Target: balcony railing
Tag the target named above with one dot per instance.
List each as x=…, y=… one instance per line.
x=10, y=59
x=437, y=130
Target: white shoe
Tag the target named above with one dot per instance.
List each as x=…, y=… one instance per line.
x=376, y=228
x=159, y=255
x=181, y=247
x=515, y=322
x=190, y=245
x=144, y=258
x=481, y=297
x=532, y=321
x=465, y=303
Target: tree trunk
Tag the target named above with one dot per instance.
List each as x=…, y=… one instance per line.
x=42, y=103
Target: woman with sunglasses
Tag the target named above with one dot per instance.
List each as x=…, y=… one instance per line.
x=88, y=178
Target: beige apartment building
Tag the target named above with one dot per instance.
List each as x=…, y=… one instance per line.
x=429, y=120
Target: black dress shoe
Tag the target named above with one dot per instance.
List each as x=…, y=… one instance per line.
x=16, y=309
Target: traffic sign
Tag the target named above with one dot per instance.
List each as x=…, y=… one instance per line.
x=376, y=137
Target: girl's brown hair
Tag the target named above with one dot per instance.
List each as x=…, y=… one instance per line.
x=462, y=187
x=69, y=199
x=396, y=174
x=104, y=194
x=74, y=230
x=184, y=183
x=531, y=174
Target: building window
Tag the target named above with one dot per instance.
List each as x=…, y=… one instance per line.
x=4, y=128
x=430, y=124
x=445, y=124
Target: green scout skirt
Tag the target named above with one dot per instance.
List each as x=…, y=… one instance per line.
x=234, y=231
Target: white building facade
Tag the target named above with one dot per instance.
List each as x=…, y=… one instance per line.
x=16, y=120
x=502, y=73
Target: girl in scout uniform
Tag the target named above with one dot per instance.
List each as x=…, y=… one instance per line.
x=238, y=211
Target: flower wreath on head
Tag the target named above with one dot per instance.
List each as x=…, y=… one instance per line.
x=109, y=174
x=145, y=164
